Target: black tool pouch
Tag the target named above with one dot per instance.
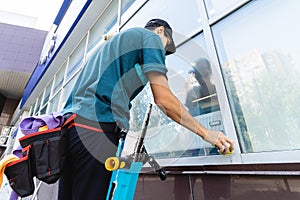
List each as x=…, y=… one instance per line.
x=19, y=174
x=48, y=152
x=47, y=147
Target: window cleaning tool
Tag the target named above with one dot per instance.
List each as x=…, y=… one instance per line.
x=126, y=169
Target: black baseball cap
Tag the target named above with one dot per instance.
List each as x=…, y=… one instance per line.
x=170, y=48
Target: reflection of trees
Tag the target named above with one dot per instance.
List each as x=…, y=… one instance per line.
x=272, y=105
x=138, y=110
x=238, y=116
x=264, y=95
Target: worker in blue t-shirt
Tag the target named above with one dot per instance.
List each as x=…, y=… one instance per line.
x=101, y=97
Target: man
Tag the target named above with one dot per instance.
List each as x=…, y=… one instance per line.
x=201, y=72
x=101, y=97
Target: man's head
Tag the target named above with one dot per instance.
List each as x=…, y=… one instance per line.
x=163, y=29
x=201, y=68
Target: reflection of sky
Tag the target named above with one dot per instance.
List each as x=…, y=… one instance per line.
x=181, y=62
x=183, y=26
x=216, y=6
x=254, y=28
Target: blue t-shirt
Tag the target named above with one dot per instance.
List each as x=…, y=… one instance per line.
x=115, y=74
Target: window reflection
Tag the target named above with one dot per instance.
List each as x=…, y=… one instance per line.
x=187, y=25
x=201, y=97
x=216, y=7
x=261, y=73
x=165, y=138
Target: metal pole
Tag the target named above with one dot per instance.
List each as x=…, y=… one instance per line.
x=140, y=141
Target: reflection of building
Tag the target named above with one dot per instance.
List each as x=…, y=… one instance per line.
x=261, y=84
x=244, y=70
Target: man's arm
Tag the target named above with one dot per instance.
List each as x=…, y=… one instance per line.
x=173, y=108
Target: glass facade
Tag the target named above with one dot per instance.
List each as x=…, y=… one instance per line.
x=59, y=79
x=194, y=87
x=260, y=64
x=245, y=53
x=217, y=7
x=184, y=27
x=47, y=93
x=106, y=21
x=76, y=59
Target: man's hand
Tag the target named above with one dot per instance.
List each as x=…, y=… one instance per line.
x=223, y=143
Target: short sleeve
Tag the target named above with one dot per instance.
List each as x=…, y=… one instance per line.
x=153, y=55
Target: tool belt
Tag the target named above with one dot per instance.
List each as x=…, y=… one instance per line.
x=43, y=157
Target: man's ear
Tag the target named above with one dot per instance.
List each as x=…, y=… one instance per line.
x=160, y=29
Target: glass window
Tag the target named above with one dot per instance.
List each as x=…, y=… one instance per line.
x=216, y=7
x=47, y=92
x=37, y=105
x=76, y=59
x=259, y=52
x=43, y=110
x=67, y=89
x=59, y=78
x=103, y=25
x=53, y=105
x=184, y=26
x=30, y=113
x=126, y=4
x=165, y=138
x=129, y=7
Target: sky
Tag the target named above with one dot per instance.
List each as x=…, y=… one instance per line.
x=38, y=14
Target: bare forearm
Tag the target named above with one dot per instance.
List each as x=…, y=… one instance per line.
x=174, y=109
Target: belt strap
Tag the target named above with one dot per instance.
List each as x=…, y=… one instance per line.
x=77, y=120
x=85, y=127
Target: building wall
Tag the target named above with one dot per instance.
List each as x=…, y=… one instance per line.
x=9, y=106
x=218, y=187
x=2, y=101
